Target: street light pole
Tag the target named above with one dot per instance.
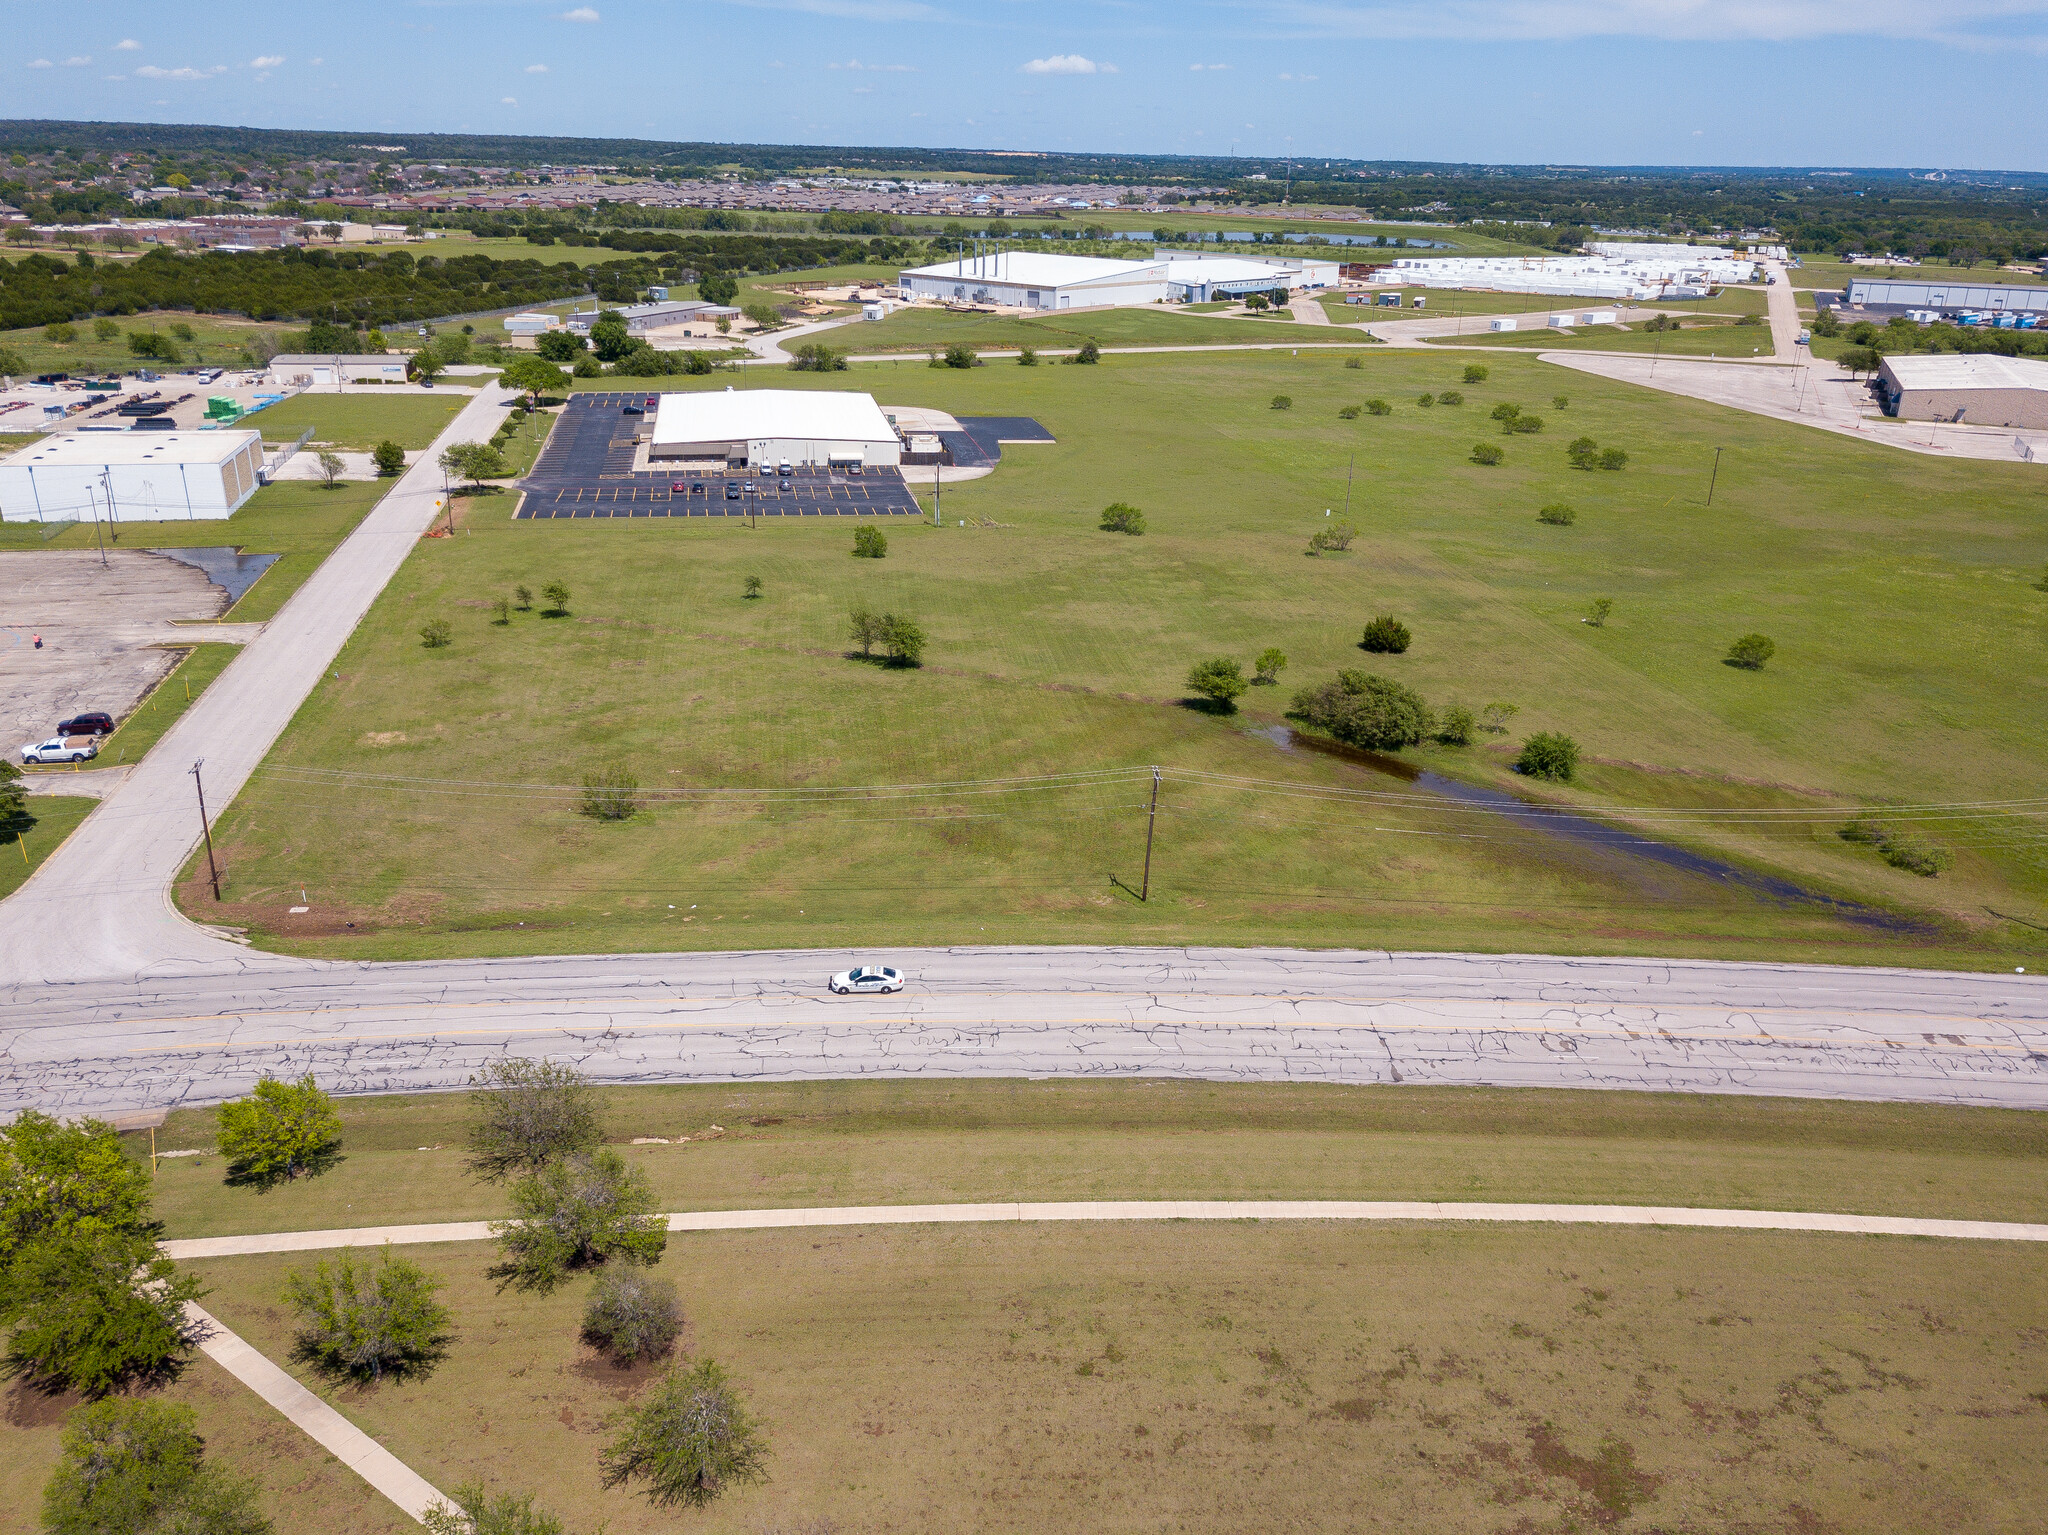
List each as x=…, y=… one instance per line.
x=1715, y=479
x=206, y=827
x=1349, y=470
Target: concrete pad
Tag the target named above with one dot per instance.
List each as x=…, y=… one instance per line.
x=99, y=625
x=305, y=465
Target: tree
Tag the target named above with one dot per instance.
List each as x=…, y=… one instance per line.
x=864, y=628
x=136, y=1467
x=556, y=595
x=59, y=1180
x=61, y=334
x=1486, y=453
x=1121, y=517
x=689, y=1440
x=1220, y=680
x=1455, y=724
x=389, y=458
x=104, y=329
x=1366, y=710
x=1750, y=652
x=1350, y=412
x=1027, y=357
x=1283, y=402
x=330, y=468
x=816, y=357
x=1549, y=755
x=523, y=595
x=753, y=586
x=282, y=1130
x=1861, y=359
x=1558, y=514
x=1596, y=615
x=97, y=1310
x=585, y=1209
x=610, y=794
x=1582, y=453
x=1378, y=407
x=425, y=366
x=1255, y=302
x=609, y=338
x=1385, y=635
x=436, y=633
x=1475, y=373
x=527, y=1113
x=1425, y=400
x=718, y=288
x=1271, y=662
x=903, y=640
x=1089, y=352
x=869, y=542
x=14, y=811
x=959, y=355
x=362, y=1320
x=534, y=375
x=473, y=1511
x=1450, y=397
x=632, y=1315
x=1613, y=458
x=11, y=364
x=501, y=611
x=558, y=346
x=1559, y=402
x=1497, y=716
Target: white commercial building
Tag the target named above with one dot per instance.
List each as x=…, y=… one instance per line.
x=749, y=427
x=1035, y=280
x=304, y=371
x=1196, y=278
x=1679, y=272
x=131, y=476
x=1978, y=389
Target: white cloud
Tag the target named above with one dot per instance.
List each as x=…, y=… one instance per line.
x=266, y=61
x=508, y=101
x=880, y=69
x=316, y=63
x=1297, y=77
x=77, y=61
x=1066, y=64
x=113, y=77
x=863, y=90
x=847, y=10
x=1198, y=68
x=581, y=13
x=536, y=69
x=1963, y=23
x=154, y=72
x=128, y=45
x=40, y=64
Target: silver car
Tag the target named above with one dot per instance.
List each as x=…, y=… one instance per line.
x=868, y=978
x=56, y=749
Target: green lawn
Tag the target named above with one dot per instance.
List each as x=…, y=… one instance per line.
x=216, y=340
x=1899, y=590
x=21, y=855
x=1456, y=302
x=919, y=329
x=1695, y=340
x=301, y=520
x=360, y=419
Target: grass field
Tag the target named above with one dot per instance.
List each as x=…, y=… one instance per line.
x=361, y=419
x=1899, y=591
x=216, y=340
x=918, y=329
x=21, y=856
x=1697, y=339
x=297, y=519
x=852, y=1143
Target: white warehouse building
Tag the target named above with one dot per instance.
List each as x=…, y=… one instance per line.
x=734, y=428
x=1045, y=280
x=1681, y=273
x=131, y=476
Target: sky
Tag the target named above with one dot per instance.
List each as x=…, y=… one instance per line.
x=1639, y=82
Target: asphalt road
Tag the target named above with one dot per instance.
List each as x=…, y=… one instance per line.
x=1225, y=1015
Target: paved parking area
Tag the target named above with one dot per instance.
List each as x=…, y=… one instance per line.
x=586, y=470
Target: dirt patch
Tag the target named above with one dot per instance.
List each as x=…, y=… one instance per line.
x=31, y=1407
x=1609, y=1477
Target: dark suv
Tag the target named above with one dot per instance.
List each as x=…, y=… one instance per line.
x=94, y=724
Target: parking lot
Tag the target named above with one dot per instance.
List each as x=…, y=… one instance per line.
x=586, y=470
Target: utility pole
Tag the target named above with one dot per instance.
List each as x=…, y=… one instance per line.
x=1151, y=819
x=938, y=517
x=1715, y=479
x=205, y=827
x=1349, y=469
x=107, y=486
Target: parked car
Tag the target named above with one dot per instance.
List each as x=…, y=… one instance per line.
x=58, y=749
x=784, y=469
x=630, y=409
x=732, y=490
x=92, y=723
x=654, y=402
x=868, y=978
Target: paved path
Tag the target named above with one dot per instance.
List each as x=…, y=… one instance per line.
x=100, y=906
x=198, y=1035
x=310, y=1415
x=1165, y=1210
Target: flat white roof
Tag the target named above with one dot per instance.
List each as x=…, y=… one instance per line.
x=328, y=359
x=1034, y=269
x=1181, y=269
x=1980, y=370
x=751, y=415
x=92, y=449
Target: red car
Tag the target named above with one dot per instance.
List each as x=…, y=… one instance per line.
x=92, y=724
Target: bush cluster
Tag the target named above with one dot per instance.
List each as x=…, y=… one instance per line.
x=1585, y=453
x=1900, y=849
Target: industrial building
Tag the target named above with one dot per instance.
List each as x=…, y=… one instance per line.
x=1944, y=298
x=1194, y=277
x=1981, y=389
x=1677, y=272
x=739, y=428
x=131, y=476
x=300, y=370
x=1045, y=280
x=641, y=318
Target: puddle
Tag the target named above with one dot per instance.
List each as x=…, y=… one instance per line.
x=228, y=569
x=1581, y=833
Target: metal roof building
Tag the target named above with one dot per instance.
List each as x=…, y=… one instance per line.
x=1884, y=293
x=732, y=427
x=1982, y=389
x=1037, y=280
x=131, y=476
x=1196, y=278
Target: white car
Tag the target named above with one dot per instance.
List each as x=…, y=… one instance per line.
x=57, y=749
x=868, y=978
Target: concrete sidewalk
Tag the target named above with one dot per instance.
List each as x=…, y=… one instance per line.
x=1168, y=1210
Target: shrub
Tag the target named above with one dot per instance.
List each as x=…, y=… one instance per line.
x=1596, y=615
x=816, y=357
x=501, y=611
x=1559, y=402
x=1613, y=458
x=1450, y=397
x=753, y=587
x=1220, y=680
x=1027, y=357
x=524, y=597
x=1353, y=362
x=1549, y=755
x=1425, y=400
x=609, y=794
x=1366, y=710
x=97, y=1309
x=1525, y=423
x=903, y=640
x=279, y=1132
x=1475, y=373
x=136, y=1467
x=1582, y=453
x=1751, y=651
x=1272, y=661
x=1386, y=635
x=690, y=1439
x=473, y=1511
x=361, y=1320
x=1089, y=353
x=1334, y=539
x=869, y=542
x=389, y=458
x=1558, y=514
x=1486, y=453
x=864, y=628
x=1378, y=407
x=526, y=1114
x=632, y=1315
x=104, y=329
x=1349, y=413
x=557, y=596
x=1455, y=725
x=1283, y=402
x=436, y=632
x=1927, y=859
x=1505, y=413
x=1497, y=715
x=1120, y=517
x=582, y=1210
x=586, y=367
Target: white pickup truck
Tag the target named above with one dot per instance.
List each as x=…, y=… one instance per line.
x=61, y=749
